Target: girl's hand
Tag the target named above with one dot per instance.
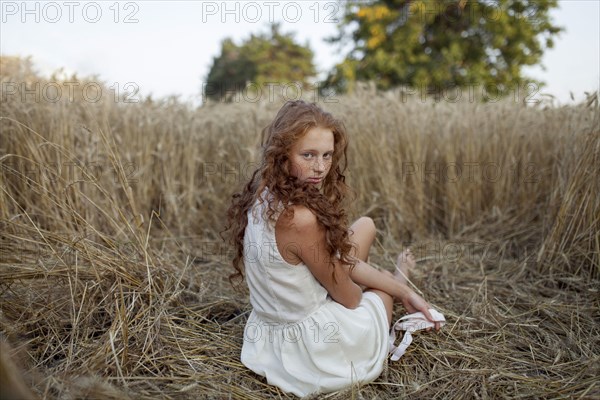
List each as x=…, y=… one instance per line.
x=415, y=303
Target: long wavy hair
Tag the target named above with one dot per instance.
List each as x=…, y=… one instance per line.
x=292, y=122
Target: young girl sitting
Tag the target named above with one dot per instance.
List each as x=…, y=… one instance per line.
x=321, y=315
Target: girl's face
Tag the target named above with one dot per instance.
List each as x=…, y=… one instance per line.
x=311, y=155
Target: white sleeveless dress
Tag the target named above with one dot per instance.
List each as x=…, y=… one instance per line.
x=297, y=336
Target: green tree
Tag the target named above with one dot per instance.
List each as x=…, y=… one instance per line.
x=436, y=44
x=261, y=60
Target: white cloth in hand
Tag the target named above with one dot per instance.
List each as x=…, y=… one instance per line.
x=411, y=323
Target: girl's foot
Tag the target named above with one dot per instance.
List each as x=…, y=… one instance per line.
x=413, y=302
x=404, y=266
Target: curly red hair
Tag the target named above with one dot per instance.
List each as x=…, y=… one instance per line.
x=292, y=122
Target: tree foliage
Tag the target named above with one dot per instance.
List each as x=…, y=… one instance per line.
x=264, y=59
x=436, y=44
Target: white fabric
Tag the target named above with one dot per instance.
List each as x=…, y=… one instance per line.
x=296, y=335
x=411, y=323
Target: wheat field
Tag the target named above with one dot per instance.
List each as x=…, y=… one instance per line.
x=113, y=277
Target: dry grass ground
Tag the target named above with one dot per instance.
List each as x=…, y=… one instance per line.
x=113, y=280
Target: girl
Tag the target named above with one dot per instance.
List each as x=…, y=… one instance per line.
x=321, y=315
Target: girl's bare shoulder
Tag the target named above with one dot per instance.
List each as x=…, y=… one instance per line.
x=298, y=218
x=296, y=231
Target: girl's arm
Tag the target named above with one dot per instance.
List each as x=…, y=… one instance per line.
x=364, y=274
x=302, y=238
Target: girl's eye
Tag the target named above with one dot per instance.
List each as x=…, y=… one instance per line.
x=327, y=156
x=307, y=155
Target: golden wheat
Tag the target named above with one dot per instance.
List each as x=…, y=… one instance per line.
x=113, y=276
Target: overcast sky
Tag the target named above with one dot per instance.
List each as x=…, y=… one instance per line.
x=167, y=47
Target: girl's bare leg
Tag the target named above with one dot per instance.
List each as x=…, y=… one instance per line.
x=362, y=235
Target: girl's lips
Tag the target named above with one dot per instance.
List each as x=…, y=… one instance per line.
x=314, y=180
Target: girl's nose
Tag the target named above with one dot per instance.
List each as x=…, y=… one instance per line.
x=319, y=165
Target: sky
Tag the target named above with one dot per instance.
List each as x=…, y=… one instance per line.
x=167, y=47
